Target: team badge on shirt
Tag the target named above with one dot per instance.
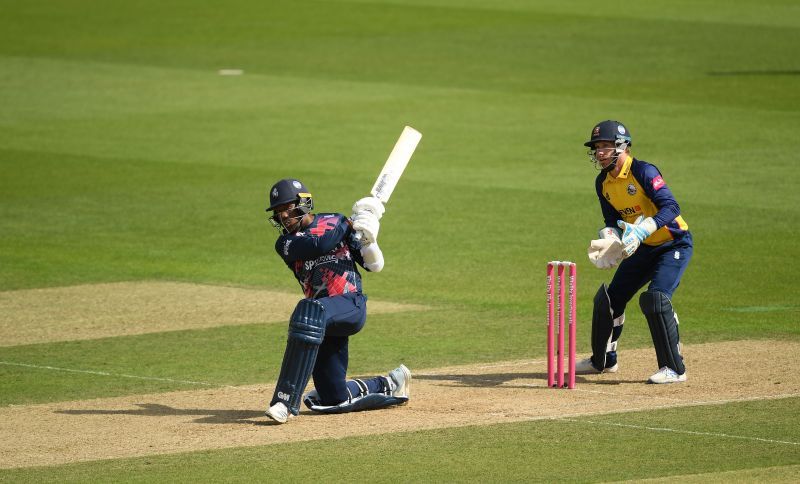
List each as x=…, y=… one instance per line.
x=631, y=189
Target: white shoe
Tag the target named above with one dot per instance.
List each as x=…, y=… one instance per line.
x=585, y=367
x=666, y=375
x=401, y=379
x=279, y=412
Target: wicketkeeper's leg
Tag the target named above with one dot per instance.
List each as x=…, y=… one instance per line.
x=602, y=327
x=663, y=323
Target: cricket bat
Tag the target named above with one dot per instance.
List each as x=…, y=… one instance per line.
x=395, y=165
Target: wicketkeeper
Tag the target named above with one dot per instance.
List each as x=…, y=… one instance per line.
x=323, y=253
x=647, y=237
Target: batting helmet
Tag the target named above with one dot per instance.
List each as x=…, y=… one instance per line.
x=290, y=190
x=610, y=131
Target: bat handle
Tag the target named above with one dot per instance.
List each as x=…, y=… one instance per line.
x=358, y=236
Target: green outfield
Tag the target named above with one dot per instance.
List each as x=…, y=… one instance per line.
x=127, y=157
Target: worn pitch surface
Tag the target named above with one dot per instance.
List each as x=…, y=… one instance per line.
x=58, y=433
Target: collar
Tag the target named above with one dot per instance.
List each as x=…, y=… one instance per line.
x=626, y=167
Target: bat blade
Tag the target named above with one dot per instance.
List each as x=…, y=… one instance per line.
x=396, y=164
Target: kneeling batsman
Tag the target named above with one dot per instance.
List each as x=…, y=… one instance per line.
x=324, y=251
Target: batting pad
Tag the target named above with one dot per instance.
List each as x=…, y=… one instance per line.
x=657, y=308
x=602, y=327
x=306, y=331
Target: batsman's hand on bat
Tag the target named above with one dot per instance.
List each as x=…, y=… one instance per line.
x=366, y=224
x=633, y=234
x=369, y=204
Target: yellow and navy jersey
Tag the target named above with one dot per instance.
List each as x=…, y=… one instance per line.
x=323, y=256
x=639, y=189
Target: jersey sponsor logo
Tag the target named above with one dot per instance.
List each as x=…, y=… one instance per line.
x=631, y=189
x=342, y=252
x=325, y=259
x=658, y=182
x=630, y=210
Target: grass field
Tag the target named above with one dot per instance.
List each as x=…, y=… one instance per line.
x=127, y=157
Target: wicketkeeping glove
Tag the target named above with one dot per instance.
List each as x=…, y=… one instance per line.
x=611, y=233
x=369, y=204
x=605, y=253
x=633, y=234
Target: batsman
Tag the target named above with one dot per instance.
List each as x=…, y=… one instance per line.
x=323, y=252
x=646, y=236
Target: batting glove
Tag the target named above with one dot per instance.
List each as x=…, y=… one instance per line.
x=367, y=224
x=369, y=204
x=633, y=234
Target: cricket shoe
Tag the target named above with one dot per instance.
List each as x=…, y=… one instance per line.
x=586, y=367
x=279, y=412
x=400, y=382
x=666, y=375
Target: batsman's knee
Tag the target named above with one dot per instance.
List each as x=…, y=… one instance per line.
x=308, y=322
x=306, y=332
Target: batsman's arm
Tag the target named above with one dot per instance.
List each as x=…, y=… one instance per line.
x=373, y=257
x=292, y=247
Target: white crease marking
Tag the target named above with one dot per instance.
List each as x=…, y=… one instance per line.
x=105, y=373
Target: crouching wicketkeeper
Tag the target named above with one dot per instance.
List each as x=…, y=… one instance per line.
x=646, y=235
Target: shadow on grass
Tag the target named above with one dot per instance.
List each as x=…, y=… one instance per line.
x=492, y=380
x=157, y=410
x=486, y=380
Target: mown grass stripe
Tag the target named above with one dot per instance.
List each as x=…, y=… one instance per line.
x=680, y=431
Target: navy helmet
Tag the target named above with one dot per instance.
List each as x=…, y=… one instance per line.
x=610, y=130
x=290, y=190
x=286, y=191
